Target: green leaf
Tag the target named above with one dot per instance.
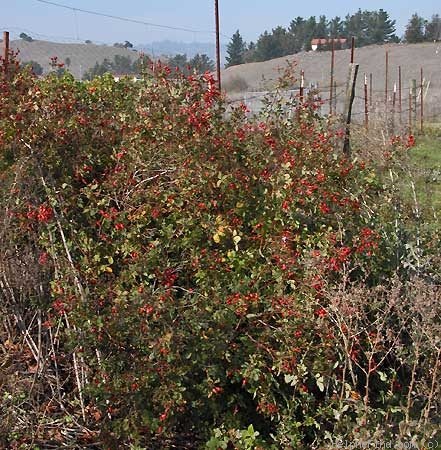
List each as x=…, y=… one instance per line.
x=320, y=382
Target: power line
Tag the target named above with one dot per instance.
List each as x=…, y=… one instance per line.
x=125, y=19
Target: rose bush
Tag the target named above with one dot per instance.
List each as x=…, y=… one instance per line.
x=185, y=253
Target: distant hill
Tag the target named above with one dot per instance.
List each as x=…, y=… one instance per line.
x=171, y=48
x=82, y=56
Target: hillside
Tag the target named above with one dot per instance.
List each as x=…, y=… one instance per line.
x=263, y=75
x=171, y=48
x=82, y=56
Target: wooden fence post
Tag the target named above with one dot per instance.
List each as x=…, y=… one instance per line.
x=415, y=102
x=352, y=49
x=422, y=101
x=302, y=86
x=394, y=102
x=6, y=51
x=366, y=103
x=400, y=98
x=350, y=96
x=331, y=87
x=386, y=79
x=371, y=82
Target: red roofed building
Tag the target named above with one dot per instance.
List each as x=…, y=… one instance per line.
x=323, y=43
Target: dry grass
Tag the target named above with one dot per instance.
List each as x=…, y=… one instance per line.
x=263, y=75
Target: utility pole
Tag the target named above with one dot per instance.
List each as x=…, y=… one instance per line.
x=218, y=62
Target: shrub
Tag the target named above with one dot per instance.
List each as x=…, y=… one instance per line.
x=189, y=263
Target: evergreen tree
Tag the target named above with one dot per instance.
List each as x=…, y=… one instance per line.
x=280, y=41
x=357, y=25
x=201, y=63
x=335, y=27
x=309, y=33
x=415, y=30
x=142, y=64
x=272, y=45
x=236, y=50
x=321, y=29
x=98, y=70
x=264, y=47
x=36, y=67
x=296, y=35
x=433, y=29
x=382, y=28
x=122, y=65
x=26, y=37
x=179, y=62
x=250, y=53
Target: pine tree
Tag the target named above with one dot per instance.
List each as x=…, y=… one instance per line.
x=236, y=50
x=321, y=29
x=201, y=63
x=433, y=29
x=382, y=28
x=357, y=25
x=264, y=47
x=280, y=42
x=36, y=67
x=415, y=30
x=250, y=53
x=179, y=62
x=335, y=27
x=296, y=35
x=309, y=34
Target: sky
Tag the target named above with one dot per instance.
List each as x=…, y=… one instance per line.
x=251, y=17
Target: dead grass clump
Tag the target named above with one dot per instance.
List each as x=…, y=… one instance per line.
x=236, y=84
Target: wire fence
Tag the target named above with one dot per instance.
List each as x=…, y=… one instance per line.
x=410, y=107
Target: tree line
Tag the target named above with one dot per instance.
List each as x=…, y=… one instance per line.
x=200, y=63
x=368, y=28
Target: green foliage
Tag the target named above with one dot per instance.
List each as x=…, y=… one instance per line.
x=415, y=30
x=125, y=44
x=236, y=50
x=26, y=37
x=368, y=27
x=433, y=29
x=36, y=67
x=426, y=167
x=207, y=270
x=199, y=64
x=121, y=65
